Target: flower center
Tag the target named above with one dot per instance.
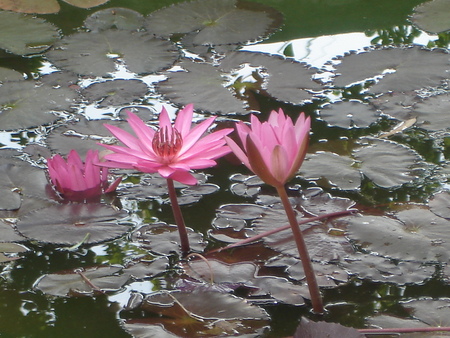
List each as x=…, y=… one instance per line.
x=167, y=143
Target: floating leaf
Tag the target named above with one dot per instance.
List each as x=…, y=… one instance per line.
x=114, y=18
x=386, y=322
x=337, y=169
x=115, y=92
x=347, y=114
x=203, y=85
x=97, y=53
x=433, y=312
x=382, y=269
x=241, y=211
x=387, y=164
x=432, y=113
x=24, y=105
x=44, y=6
x=408, y=68
x=284, y=79
x=440, y=204
x=397, y=105
x=82, y=282
x=310, y=329
x=218, y=306
x=164, y=239
x=20, y=181
x=7, y=74
x=215, y=22
x=24, y=35
x=10, y=248
x=8, y=234
x=147, y=330
x=418, y=235
x=432, y=16
x=72, y=223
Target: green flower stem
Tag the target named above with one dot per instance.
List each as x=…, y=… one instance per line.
x=184, y=240
x=316, y=298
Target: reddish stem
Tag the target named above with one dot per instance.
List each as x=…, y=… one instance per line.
x=316, y=298
x=184, y=240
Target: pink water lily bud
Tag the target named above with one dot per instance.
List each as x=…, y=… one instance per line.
x=171, y=150
x=80, y=181
x=273, y=150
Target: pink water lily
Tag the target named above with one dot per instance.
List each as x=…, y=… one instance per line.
x=79, y=181
x=172, y=150
x=273, y=150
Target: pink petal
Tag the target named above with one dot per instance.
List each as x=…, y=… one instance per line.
x=279, y=165
x=184, y=120
x=123, y=136
x=184, y=177
x=164, y=120
x=143, y=132
x=238, y=152
x=195, y=133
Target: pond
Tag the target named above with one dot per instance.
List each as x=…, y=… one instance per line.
x=371, y=196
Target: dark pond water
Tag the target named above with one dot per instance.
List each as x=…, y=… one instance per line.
x=373, y=76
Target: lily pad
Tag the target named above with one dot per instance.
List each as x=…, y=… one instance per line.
x=114, y=18
x=72, y=224
x=23, y=34
x=7, y=74
x=339, y=170
x=310, y=329
x=10, y=248
x=200, y=84
x=8, y=234
x=432, y=113
x=44, y=6
x=24, y=105
x=115, y=92
x=98, y=54
x=433, y=312
x=440, y=204
x=387, y=164
x=215, y=22
x=164, y=239
x=18, y=182
x=349, y=114
x=432, y=16
x=285, y=79
x=403, y=69
x=417, y=235
x=82, y=282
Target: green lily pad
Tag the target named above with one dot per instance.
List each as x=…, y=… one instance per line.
x=7, y=74
x=203, y=85
x=72, y=283
x=44, y=6
x=215, y=22
x=24, y=105
x=407, y=69
x=349, y=114
x=114, y=18
x=25, y=35
x=285, y=79
x=432, y=16
x=8, y=234
x=115, y=92
x=72, y=224
x=10, y=248
x=97, y=54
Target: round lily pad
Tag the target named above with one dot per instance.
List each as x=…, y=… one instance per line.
x=97, y=54
x=114, y=18
x=432, y=16
x=215, y=22
x=23, y=34
x=72, y=224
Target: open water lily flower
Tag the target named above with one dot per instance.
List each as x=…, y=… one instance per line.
x=172, y=150
x=79, y=181
x=273, y=150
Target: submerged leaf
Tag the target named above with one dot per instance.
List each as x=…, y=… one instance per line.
x=114, y=18
x=72, y=223
x=10, y=248
x=97, y=54
x=215, y=22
